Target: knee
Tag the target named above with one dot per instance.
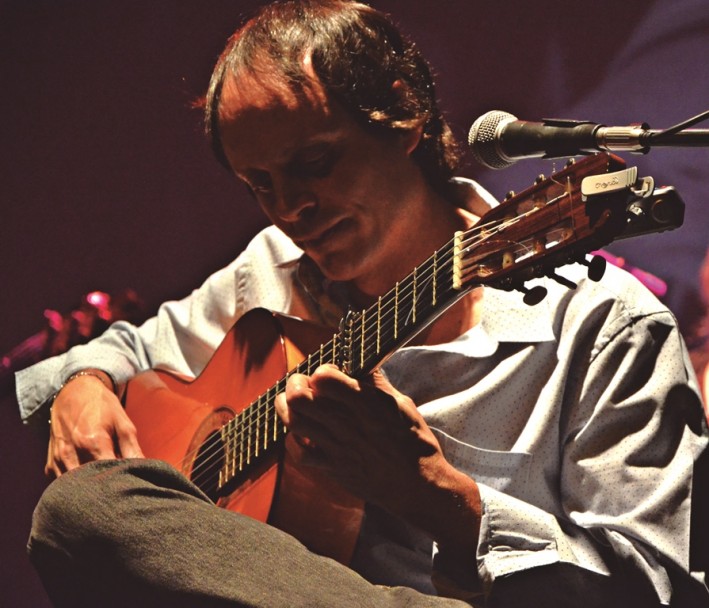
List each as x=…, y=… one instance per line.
x=70, y=505
x=94, y=501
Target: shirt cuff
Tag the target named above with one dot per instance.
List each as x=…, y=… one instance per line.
x=37, y=384
x=517, y=536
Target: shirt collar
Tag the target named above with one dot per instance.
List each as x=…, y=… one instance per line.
x=506, y=318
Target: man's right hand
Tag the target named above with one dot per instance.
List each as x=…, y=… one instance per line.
x=88, y=423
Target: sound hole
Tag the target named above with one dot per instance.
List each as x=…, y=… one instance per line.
x=208, y=465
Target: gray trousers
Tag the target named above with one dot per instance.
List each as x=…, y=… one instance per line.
x=137, y=533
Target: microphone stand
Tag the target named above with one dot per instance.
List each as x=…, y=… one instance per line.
x=679, y=135
x=693, y=138
x=638, y=139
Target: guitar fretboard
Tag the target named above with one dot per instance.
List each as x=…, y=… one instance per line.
x=364, y=340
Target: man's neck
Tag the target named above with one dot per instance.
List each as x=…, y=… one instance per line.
x=436, y=227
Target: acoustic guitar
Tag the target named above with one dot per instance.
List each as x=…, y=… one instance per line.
x=221, y=429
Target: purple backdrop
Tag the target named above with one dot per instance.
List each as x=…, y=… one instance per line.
x=107, y=182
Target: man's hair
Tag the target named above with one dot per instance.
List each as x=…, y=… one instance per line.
x=357, y=54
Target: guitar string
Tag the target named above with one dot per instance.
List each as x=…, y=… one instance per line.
x=308, y=370
x=247, y=417
x=369, y=341
x=467, y=272
x=262, y=416
x=213, y=455
x=259, y=403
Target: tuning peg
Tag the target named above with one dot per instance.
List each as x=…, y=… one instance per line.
x=534, y=295
x=562, y=280
x=596, y=267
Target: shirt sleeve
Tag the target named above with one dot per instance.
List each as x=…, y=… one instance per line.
x=183, y=335
x=632, y=430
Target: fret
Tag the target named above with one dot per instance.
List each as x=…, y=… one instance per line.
x=413, y=306
x=457, y=260
x=248, y=437
x=225, y=465
x=265, y=430
x=232, y=445
x=362, y=342
x=346, y=357
x=268, y=411
x=435, y=276
x=249, y=434
x=240, y=444
x=396, y=310
x=227, y=431
x=379, y=324
x=257, y=443
x=243, y=455
x=241, y=448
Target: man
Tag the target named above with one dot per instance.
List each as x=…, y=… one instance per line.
x=509, y=456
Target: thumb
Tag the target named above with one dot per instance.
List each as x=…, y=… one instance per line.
x=381, y=382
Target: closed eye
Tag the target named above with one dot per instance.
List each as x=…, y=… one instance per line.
x=317, y=162
x=313, y=163
x=317, y=167
x=259, y=184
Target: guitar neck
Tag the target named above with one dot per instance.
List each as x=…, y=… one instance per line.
x=364, y=340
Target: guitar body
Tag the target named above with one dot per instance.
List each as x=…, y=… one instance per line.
x=178, y=421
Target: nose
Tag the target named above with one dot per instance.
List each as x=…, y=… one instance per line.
x=292, y=201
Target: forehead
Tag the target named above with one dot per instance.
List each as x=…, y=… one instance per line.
x=264, y=120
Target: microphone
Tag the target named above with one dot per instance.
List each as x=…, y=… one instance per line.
x=498, y=139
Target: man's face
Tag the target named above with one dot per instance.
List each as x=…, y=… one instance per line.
x=346, y=197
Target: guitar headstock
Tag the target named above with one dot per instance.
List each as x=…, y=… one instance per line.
x=560, y=219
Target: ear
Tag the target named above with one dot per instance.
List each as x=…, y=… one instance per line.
x=412, y=137
x=412, y=134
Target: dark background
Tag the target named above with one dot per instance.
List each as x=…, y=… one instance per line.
x=106, y=181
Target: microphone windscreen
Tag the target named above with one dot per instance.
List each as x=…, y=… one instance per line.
x=483, y=141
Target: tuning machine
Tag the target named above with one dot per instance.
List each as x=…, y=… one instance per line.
x=532, y=296
x=596, y=267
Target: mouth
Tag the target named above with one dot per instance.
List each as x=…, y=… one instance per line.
x=319, y=239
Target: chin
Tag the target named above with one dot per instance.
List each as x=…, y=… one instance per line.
x=337, y=267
